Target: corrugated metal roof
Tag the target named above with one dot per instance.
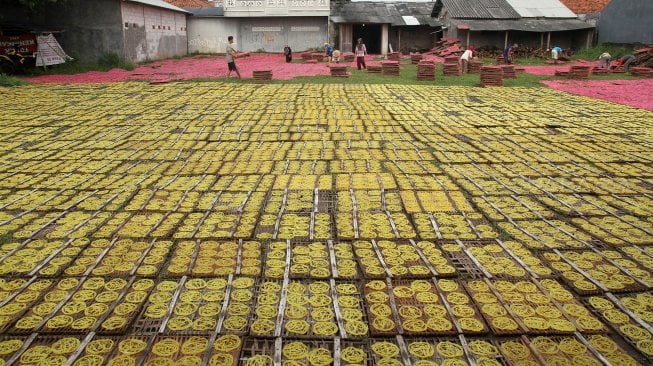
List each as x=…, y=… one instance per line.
x=379, y=12
x=478, y=9
x=541, y=8
x=526, y=25
x=158, y=4
x=207, y=12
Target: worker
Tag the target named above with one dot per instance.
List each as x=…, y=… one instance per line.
x=555, y=54
x=464, y=59
x=509, y=53
x=604, y=59
x=626, y=61
x=328, y=51
x=336, y=56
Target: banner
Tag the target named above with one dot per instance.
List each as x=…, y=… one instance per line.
x=49, y=51
x=24, y=44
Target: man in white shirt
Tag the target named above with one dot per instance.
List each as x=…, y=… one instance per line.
x=231, y=53
x=467, y=55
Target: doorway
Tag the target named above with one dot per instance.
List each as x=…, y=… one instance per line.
x=371, y=35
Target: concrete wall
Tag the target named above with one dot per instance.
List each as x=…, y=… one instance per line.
x=209, y=35
x=627, y=21
x=91, y=28
x=271, y=34
x=152, y=33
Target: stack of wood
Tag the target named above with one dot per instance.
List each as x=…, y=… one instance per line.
x=426, y=70
x=579, y=72
x=339, y=71
x=262, y=75
x=644, y=57
x=451, y=66
x=491, y=76
x=390, y=68
x=561, y=73
x=415, y=58
x=374, y=68
x=348, y=56
x=646, y=72
x=446, y=47
x=394, y=56
x=474, y=67
x=509, y=72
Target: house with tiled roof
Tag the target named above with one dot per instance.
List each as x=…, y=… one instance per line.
x=585, y=6
x=135, y=30
x=497, y=23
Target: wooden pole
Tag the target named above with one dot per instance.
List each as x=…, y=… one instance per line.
x=589, y=38
x=468, y=32
x=505, y=41
x=541, y=40
x=548, y=40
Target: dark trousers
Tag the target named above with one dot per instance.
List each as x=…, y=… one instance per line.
x=360, y=61
x=627, y=63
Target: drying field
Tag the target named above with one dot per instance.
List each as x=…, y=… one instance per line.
x=242, y=224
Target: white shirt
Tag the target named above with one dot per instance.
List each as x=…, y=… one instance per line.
x=466, y=55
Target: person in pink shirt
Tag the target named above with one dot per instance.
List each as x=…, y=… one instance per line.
x=360, y=51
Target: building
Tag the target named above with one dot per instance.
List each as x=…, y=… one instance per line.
x=627, y=21
x=400, y=25
x=135, y=30
x=533, y=23
x=258, y=25
x=587, y=10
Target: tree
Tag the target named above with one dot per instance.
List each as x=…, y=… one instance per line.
x=32, y=5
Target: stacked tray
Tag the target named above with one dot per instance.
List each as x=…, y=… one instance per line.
x=646, y=72
x=426, y=70
x=474, y=67
x=415, y=58
x=491, y=76
x=339, y=71
x=262, y=74
x=509, y=72
x=579, y=72
x=451, y=68
x=374, y=68
x=394, y=56
x=390, y=68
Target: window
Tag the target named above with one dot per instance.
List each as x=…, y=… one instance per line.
x=126, y=25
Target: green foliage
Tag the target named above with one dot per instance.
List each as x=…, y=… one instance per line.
x=591, y=54
x=110, y=60
x=33, y=5
x=9, y=80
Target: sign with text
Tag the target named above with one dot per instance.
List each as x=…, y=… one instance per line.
x=25, y=44
x=49, y=51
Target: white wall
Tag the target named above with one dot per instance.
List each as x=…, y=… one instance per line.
x=152, y=33
x=266, y=8
x=209, y=35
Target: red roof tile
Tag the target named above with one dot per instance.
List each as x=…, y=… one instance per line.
x=185, y=4
x=585, y=6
